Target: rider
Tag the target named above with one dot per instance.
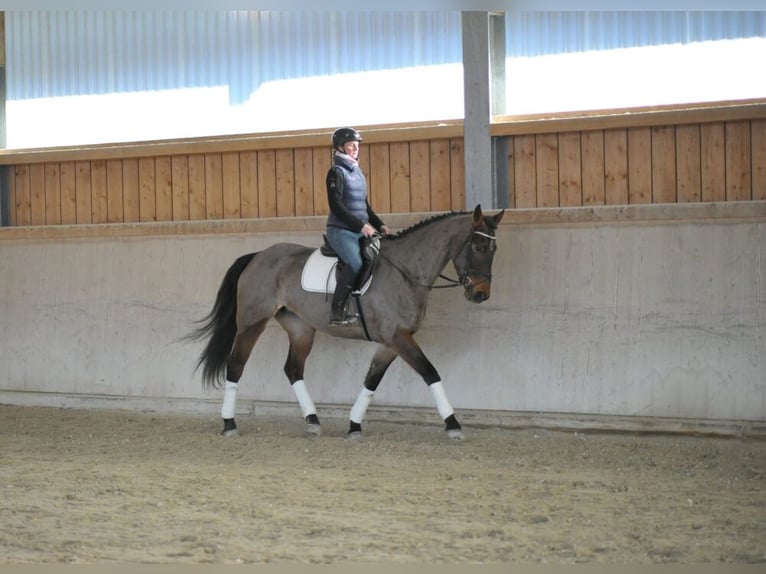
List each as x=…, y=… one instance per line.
x=351, y=217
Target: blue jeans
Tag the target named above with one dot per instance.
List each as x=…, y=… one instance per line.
x=346, y=244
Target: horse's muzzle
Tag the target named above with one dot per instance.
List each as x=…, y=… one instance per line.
x=477, y=291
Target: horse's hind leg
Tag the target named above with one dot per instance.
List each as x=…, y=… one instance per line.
x=301, y=336
x=240, y=352
x=380, y=363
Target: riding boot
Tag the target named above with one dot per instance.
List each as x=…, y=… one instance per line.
x=343, y=289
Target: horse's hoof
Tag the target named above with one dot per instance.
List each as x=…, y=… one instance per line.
x=455, y=434
x=313, y=430
x=230, y=432
x=354, y=430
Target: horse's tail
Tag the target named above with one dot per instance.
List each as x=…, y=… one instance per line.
x=220, y=326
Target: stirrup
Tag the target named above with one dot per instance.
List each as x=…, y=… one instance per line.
x=344, y=320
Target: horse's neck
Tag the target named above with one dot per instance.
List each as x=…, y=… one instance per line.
x=425, y=252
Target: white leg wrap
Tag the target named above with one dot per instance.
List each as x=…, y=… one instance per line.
x=304, y=399
x=229, y=400
x=442, y=402
x=361, y=404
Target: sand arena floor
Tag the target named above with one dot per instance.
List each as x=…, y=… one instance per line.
x=97, y=486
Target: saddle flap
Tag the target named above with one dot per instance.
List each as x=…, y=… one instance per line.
x=318, y=275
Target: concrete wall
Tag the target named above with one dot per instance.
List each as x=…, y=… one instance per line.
x=625, y=315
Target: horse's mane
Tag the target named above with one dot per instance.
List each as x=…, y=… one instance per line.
x=425, y=222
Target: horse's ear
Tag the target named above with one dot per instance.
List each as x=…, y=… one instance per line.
x=477, y=214
x=497, y=217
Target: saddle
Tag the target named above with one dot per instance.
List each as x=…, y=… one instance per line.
x=322, y=269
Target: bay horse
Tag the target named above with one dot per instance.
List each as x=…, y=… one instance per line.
x=264, y=285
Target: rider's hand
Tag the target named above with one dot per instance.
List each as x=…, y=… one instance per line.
x=368, y=230
x=385, y=230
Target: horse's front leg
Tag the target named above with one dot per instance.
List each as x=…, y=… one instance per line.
x=378, y=366
x=407, y=348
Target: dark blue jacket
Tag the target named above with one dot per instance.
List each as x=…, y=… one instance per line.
x=347, y=196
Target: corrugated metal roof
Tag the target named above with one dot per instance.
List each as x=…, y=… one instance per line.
x=59, y=53
x=71, y=53
x=542, y=33
x=572, y=61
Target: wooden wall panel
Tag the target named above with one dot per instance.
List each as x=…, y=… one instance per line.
x=738, y=161
x=114, y=193
x=163, y=190
x=713, y=169
x=457, y=174
x=12, y=219
x=179, y=168
x=524, y=151
x=510, y=166
x=663, y=164
x=131, y=191
x=82, y=184
x=758, y=135
x=547, y=166
x=400, y=178
x=378, y=178
x=98, y=182
x=248, y=165
x=690, y=162
x=304, y=188
x=570, y=170
x=37, y=196
x=213, y=186
x=230, y=184
x=52, y=194
x=267, y=184
x=439, y=179
x=639, y=165
x=593, y=168
x=616, y=167
x=420, y=177
x=321, y=161
x=197, y=190
x=67, y=175
x=147, y=196
x=23, y=203
x=285, y=174
x=364, y=160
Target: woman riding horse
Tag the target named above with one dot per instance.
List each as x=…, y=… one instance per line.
x=350, y=219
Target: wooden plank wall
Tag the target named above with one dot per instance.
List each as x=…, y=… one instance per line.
x=700, y=162
x=637, y=158
x=403, y=177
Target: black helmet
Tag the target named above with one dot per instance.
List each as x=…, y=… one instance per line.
x=342, y=136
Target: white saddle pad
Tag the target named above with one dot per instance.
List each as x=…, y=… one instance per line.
x=318, y=274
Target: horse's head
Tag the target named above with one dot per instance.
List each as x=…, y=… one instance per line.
x=474, y=261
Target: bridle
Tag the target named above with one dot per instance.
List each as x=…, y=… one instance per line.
x=464, y=279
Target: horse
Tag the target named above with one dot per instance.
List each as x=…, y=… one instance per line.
x=266, y=285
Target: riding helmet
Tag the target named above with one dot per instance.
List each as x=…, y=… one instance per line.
x=341, y=136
